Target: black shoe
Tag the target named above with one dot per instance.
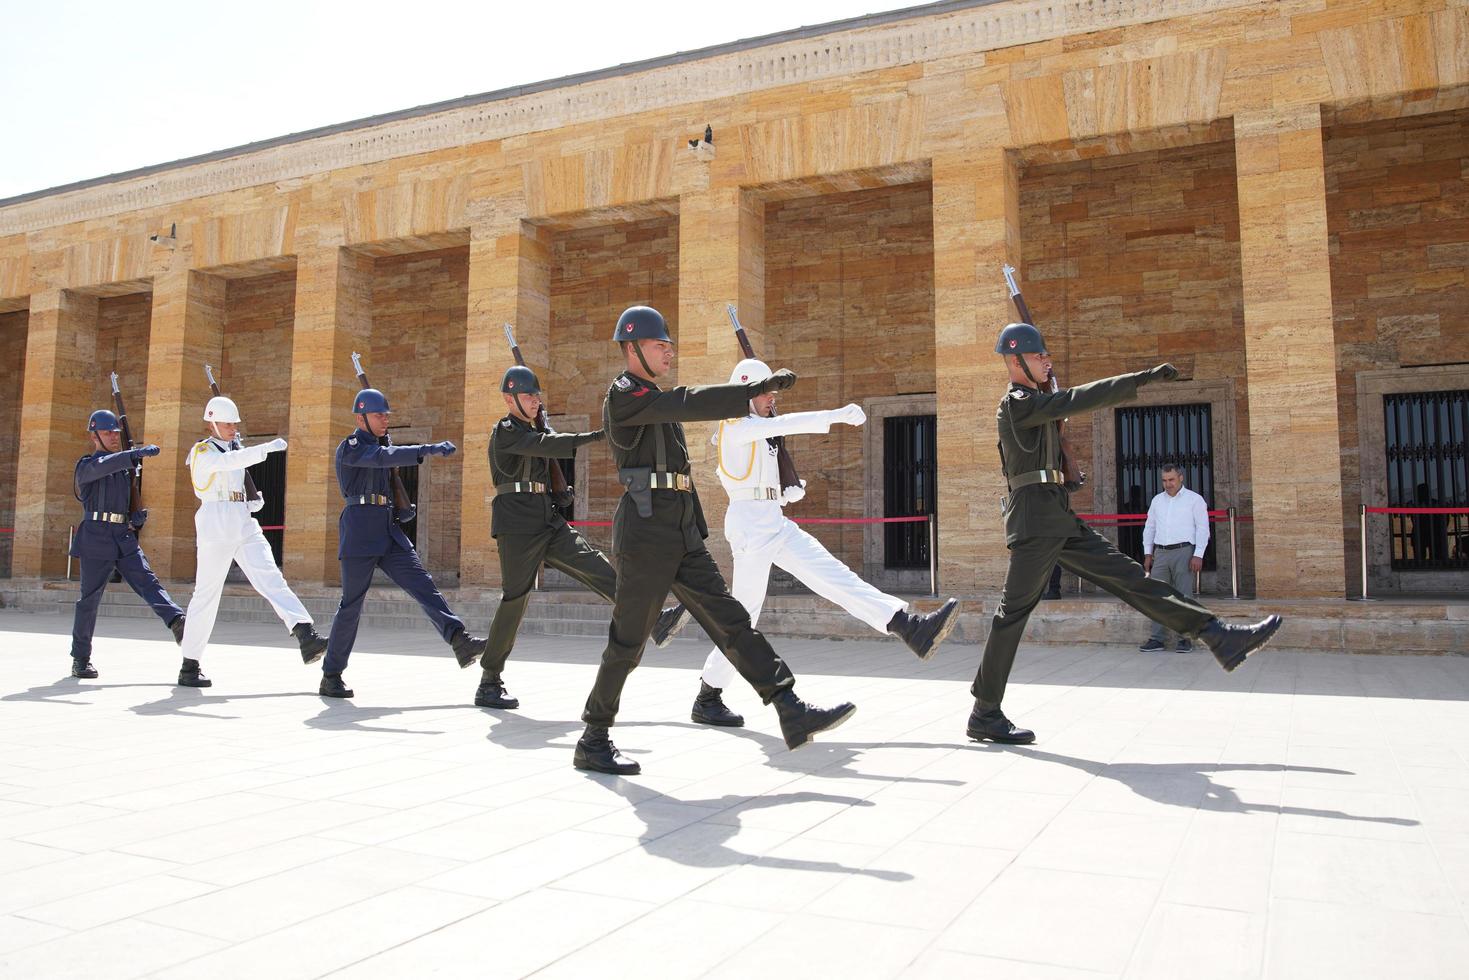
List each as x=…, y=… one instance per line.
x=1185, y=646
x=1231, y=644
x=313, y=644
x=800, y=721
x=176, y=627
x=1151, y=646
x=468, y=649
x=710, y=709
x=993, y=725
x=924, y=633
x=333, y=687
x=83, y=669
x=670, y=621
x=492, y=694
x=191, y=676
x=596, y=753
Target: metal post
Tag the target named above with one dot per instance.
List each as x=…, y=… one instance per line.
x=1233, y=556
x=1362, y=530
x=71, y=534
x=933, y=555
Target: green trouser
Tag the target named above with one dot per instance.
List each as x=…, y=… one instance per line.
x=1091, y=556
x=521, y=556
x=653, y=556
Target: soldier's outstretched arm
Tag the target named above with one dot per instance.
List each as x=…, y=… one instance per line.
x=205, y=461
x=753, y=428
x=639, y=404
x=550, y=445
x=92, y=468
x=1039, y=407
x=370, y=455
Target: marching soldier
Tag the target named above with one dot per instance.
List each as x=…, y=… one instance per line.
x=1041, y=529
x=760, y=536
x=370, y=538
x=658, y=540
x=105, y=539
x=226, y=533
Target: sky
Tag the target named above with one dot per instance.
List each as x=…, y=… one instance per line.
x=92, y=88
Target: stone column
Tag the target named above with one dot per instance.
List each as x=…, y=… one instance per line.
x=187, y=331
x=333, y=318
x=721, y=260
x=60, y=372
x=976, y=230
x=1290, y=354
x=509, y=282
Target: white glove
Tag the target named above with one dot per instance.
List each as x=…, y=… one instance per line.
x=792, y=494
x=851, y=414
x=256, y=505
x=275, y=445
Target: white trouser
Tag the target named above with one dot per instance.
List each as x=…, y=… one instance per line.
x=803, y=556
x=227, y=533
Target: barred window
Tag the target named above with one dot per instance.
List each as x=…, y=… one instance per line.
x=910, y=474
x=1426, y=446
x=1146, y=439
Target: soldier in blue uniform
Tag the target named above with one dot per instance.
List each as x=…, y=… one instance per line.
x=370, y=538
x=105, y=539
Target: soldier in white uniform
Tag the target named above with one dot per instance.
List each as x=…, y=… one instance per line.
x=227, y=533
x=760, y=535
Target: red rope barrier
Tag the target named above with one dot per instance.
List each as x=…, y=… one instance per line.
x=801, y=520
x=1418, y=510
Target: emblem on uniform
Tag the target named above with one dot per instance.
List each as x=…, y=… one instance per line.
x=507, y=423
x=352, y=441
x=510, y=384
x=627, y=329
x=744, y=377
x=1012, y=342
x=622, y=383
x=362, y=404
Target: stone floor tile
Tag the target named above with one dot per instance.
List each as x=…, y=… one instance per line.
x=1365, y=873
x=119, y=951
x=1199, y=943
x=1350, y=942
x=825, y=948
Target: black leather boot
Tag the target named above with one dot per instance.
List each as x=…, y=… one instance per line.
x=992, y=724
x=83, y=669
x=670, y=621
x=332, y=686
x=800, y=721
x=923, y=633
x=191, y=676
x=492, y=694
x=468, y=649
x=313, y=644
x=710, y=709
x=1231, y=644
x=596, y=753
x=176, y=627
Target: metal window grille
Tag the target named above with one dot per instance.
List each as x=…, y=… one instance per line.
x=270, y=480
x=1146, y=439
x=1427, y=440
x=910, y=478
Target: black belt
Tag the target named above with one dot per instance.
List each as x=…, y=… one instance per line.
x=107, y=518
x=371, y=500
x=1170, y=547
x=522, y=487
x=1034, y=477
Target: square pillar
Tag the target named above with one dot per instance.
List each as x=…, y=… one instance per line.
x=60, y=375
x=187, y=331
x=721, y=260
x=509, y=282
x=976, y=230
x=333, y=318
x=1290, y=353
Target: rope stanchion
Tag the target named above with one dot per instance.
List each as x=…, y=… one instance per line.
x=1363, y=510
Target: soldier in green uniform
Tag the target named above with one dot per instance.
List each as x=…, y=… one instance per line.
x=658, y=537
x=1041, y=530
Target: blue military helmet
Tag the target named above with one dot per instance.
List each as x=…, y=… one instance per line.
x=370, y=400
x=1020, y=338
x=102, y=421
x=520, y=380
x=641, y=323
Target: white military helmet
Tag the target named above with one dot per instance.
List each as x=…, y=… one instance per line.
x=750, y=371
x=221, y=409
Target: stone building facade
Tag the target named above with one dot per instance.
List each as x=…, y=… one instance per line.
x=1273, y=195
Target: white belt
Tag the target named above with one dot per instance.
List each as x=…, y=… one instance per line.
x=754, y=493
x=224, y=496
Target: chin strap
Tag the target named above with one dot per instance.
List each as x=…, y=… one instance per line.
x=1026, y=368
x=531, y=419
x=638, y=349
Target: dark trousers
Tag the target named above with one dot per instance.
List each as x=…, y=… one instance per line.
x=139, y=576
x=407, y=572
x=1088, y=554
x=520, y=556
x=652, y=558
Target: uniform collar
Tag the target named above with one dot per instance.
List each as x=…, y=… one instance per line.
x=363, y=433
x=640, y=380
x=222, y=444
x=514, y=420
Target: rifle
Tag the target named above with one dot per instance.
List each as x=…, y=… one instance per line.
x=135, y=492
x=251, y=491
x=783, y=461
x=401, y=503
x=560, y=489
x=1072, y=471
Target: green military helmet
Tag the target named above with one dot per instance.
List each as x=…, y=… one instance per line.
x=1020, y=338
x=641, y=323
x=520, y=380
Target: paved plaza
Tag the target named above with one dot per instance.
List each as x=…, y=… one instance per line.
x=1307, y=816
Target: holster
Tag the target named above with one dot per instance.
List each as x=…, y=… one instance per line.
x=637, y=482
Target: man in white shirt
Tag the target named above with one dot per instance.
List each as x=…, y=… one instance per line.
x=760, y=536
x=1174, y=540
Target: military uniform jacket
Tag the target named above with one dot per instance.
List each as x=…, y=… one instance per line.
x=104, y=483
x=1029, y=441
x=634, y=414
x=521, y=453
x=363, y=467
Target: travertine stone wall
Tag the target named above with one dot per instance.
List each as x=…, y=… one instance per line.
x=12, y=385
x=255, y=364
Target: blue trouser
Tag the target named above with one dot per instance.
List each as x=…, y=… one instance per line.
x=140, y=578
x=407, y=572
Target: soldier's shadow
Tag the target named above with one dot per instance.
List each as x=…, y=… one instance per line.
x=341, y=714
x=831, y=759
x=188, y=702
x=1188, y=784
x=53, y=693
x=711, y=847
